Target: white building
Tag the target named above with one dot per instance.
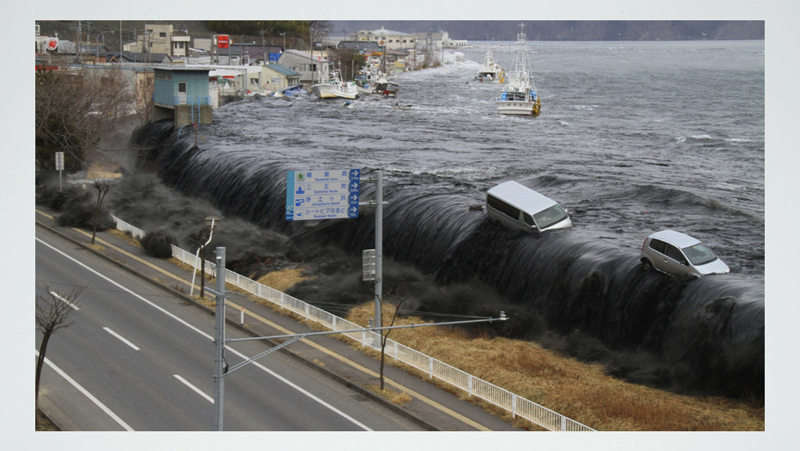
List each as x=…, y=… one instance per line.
x=393, y=40
x=316, y=68
x=160, y=39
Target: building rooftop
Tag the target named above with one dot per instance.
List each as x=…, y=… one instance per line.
x=283, y=70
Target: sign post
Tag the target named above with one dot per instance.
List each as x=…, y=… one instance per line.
x=334, y=194
x=59, y=167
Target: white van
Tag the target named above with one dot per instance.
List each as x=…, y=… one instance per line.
x=519, y=207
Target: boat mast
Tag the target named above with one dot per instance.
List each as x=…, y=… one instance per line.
x=521, y=62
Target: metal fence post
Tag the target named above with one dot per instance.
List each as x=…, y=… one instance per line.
x=469, y=386
x=430, y=360
x=563, y=423
x=513, y=406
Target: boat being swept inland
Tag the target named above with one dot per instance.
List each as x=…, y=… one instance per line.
x=334, y=87
x=519, y=96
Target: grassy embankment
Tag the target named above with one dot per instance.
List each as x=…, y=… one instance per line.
x=580, y=391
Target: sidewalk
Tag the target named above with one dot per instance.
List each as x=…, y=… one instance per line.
x=431, y=407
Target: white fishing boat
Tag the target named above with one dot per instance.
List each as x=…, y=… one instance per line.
x=519, y=96
x=334, y=87
x=490, y=70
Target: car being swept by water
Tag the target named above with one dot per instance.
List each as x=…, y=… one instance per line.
x=521, y=208
x=680, y=255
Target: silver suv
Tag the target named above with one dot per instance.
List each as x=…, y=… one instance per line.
x=680, y=255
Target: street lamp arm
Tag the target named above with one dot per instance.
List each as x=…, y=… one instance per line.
x=267, y=352
x=502, y=317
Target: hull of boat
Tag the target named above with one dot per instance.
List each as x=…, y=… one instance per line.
x=518, y=108
x=332, y=92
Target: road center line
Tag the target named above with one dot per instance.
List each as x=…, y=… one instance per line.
x=197, y=390
x=161, y=309
x=86, y=392
x=120, y=338
x=58, y=296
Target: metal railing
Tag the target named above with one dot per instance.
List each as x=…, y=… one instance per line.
x=125, y=227
x=504, y=399
x=197, y=100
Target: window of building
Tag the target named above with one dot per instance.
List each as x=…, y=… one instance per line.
x=181, y=87
x=162, y=34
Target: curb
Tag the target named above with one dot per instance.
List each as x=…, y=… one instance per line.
x=229, y=322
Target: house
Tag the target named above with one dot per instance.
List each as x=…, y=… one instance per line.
x=250, y=52
x=277, y=76
x=310, y=70
x=160, y=39
x=182, y=94
x=136, y=57
x=432, y=40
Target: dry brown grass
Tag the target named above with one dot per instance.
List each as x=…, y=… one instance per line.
x=125, y=236
x=44, y=424
x=389, y=394
x=284, y=279
x=97, y=247
x=580, y=391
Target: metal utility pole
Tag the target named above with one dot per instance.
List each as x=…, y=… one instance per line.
x=378, y=247
x=263, y=49
x=311, y=49
x=219, y=341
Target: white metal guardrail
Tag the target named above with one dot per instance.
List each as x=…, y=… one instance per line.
x=518, y=406
x=125, y=227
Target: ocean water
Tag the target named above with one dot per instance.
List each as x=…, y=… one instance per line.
x=633, y=137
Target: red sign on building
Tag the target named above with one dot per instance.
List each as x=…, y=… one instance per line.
x=223, y=41
x=52, y=44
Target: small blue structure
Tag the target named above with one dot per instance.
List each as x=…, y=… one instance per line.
x=181, y=94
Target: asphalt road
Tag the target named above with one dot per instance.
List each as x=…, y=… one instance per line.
x=136, y=358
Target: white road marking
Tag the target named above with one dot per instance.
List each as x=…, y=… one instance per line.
x=199, y=392
x=86, y=392
x=120, y=338
x=58, y=296
x=258, y=365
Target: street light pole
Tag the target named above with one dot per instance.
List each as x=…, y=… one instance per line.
x=219, y=341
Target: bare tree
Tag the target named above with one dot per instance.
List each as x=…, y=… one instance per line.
x=53, y=312
x=102, y=186
x=143, y=104
x=385, y=337
x=74, y=109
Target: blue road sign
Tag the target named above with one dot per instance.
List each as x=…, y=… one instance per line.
x=322, y=194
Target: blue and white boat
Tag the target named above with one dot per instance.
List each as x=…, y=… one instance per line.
x=519, y=96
